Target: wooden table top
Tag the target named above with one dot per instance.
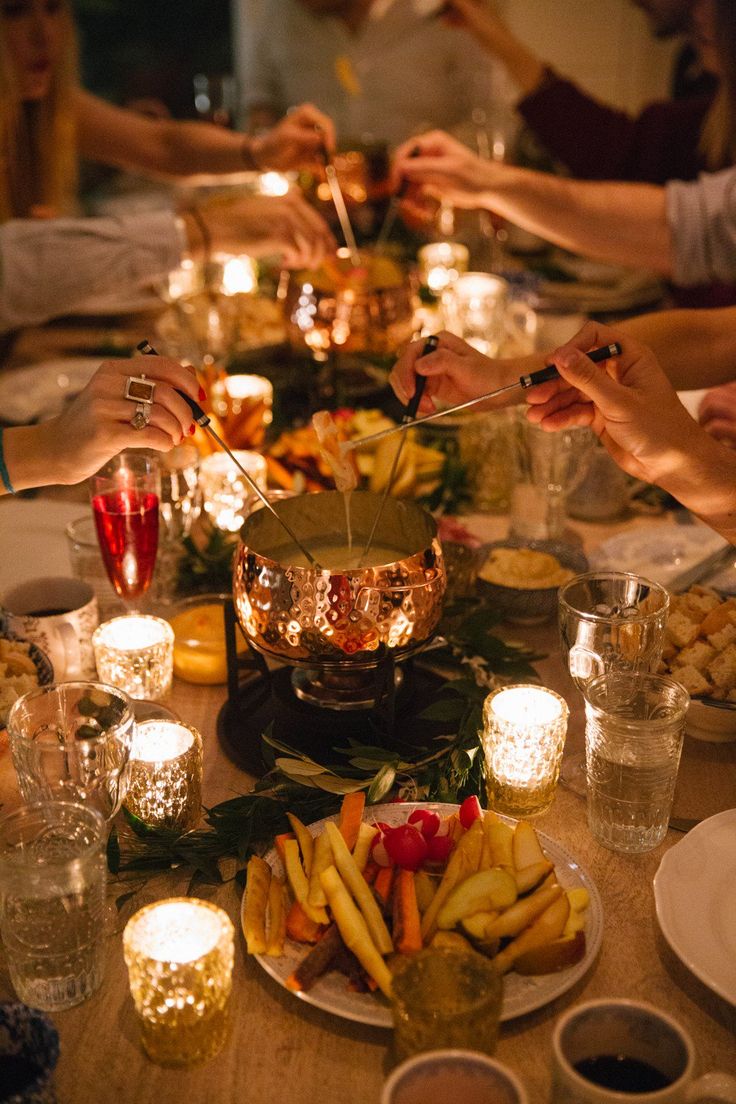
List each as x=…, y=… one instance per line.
x=282, y=1049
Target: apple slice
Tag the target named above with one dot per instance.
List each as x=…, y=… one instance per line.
x=557, y=955
x=545, y=929
x=527, y=850
x=475, y=925
x=500, y=838
x=452, y=939
x=522, y=913
x=529, y=877
x=485, y=890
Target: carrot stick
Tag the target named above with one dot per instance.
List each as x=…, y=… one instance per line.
x=351, y=814
x=299, y=926
x=384, y=881
x=407, y=933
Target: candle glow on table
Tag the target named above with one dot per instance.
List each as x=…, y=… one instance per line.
x=523, y=737
x=225, y=491
x=243, y=404
x=165, y=787
x=239, y=274
x=474, y=308
x=179, y=954
x=136, y=654
x=440, y=264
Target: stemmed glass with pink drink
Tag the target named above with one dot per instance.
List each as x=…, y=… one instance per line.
x=125, y=502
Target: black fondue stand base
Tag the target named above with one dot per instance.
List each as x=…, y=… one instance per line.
x=259, y=697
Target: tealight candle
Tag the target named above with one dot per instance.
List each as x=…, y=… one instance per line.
x=136, y=654
x=523, y=736
x=165, y=783
x=239, y=275
x=440, y=264
x=243, y=404
x=475, y=307
x=179, y=954
x=225, y=491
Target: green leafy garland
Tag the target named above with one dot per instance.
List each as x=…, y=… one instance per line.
x=473, y=659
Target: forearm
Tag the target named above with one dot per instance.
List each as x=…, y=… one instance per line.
x=620, y=223
x=696, y=348
x=191, y=147
x=524, y=67
x=31, y=460
x=702, y=476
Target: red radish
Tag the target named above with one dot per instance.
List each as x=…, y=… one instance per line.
x=425, y=821
x=439, y=848
x=469, y=811
x=406, y=846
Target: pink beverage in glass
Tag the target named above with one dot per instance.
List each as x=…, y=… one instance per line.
x=127, y=529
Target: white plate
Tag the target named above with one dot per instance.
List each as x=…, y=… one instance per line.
x=695, y=896
x=521, y=994
x=662, y=552
x=39, y=391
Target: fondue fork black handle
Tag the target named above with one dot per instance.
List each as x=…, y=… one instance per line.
x=202, y=419
x=430, y=345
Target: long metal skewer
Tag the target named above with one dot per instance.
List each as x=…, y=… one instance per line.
x=412, y=406
x=392, y=210
x=203, y=420
x=548, y=373
x=339, y=200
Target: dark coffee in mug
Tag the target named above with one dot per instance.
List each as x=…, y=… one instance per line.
x=50, y=612
x=622, y=1074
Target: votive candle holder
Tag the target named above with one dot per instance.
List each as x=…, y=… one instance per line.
x=440, y=264
x=523, y=737
x=179, y=953
x=243, y=404
x=165, y=786
x=136, y=654
x=224, y=488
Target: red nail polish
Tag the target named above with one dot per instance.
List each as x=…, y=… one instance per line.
x=192, y=429
x=202, y=394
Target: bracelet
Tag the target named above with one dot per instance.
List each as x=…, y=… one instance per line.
x=3, y=468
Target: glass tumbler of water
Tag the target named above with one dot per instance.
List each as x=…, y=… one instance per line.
x=611, y=621
x=52, y=902
x=634, y=727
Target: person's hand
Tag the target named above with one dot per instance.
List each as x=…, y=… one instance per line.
x=300, y=139
x=444, y=168
x=455, y=372
x=628, y=401
x=266, y=225
x=717, y=413
x=97, y=423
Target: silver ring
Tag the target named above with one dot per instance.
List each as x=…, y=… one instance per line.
x=142, y=416
x=138, y=389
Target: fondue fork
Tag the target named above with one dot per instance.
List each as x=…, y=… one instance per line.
x=412, y=406
x=339, y=200
x=203, y=420
x=393, y=209
x=549, y=372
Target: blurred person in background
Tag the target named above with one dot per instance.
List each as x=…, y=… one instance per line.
x=379, y=68
x=47, y=121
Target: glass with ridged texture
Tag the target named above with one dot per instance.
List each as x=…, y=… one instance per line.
x=523, y=737
x=179, y=955
x=136, y=654
x=165, y=786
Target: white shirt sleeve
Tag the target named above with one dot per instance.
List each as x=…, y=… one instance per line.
x=52, y=267
x=702, y=219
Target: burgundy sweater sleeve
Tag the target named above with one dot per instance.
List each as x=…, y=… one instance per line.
x=597, y=142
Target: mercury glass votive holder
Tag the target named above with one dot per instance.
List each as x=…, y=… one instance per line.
x=165, y=786
x=136, y=654
x=523, y=737
x=440, y=264
x=224, y=489
x=179, y=954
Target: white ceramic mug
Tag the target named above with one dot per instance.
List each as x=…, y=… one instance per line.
x=640, y=1050
x=453, y=1075
x=59, y=615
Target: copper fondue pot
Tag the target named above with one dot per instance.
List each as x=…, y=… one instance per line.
x=331, y=619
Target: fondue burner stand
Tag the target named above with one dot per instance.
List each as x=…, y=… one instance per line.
x=385, y=714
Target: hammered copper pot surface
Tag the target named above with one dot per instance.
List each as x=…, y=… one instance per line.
x=309, y=617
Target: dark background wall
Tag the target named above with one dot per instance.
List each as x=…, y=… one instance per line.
x=152, y=48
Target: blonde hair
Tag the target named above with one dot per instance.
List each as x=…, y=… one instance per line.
x=38, y=142
x=718, y=136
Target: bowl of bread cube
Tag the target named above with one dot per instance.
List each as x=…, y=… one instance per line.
x=700, y=653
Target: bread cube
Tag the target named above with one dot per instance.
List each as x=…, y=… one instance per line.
x=721, y=639
x=696, y=655
x=694, y=682
x=722, y=669
x=681, y=629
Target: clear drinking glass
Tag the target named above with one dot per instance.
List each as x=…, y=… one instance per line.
x=72, y=741
x=445, y=998
x=52, y=902
x=85, y=561
x=634, y=727
x=611, y=621
x=546, y=467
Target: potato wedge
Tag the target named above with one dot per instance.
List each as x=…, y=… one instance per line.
x=554, y=956
x=522, y=913
x=489, y=890
x=526, y=847
x=354, y=930
x=545, y=929
x=501, y=837
x=299, y=884
x=360, y=890
x=256, y=899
